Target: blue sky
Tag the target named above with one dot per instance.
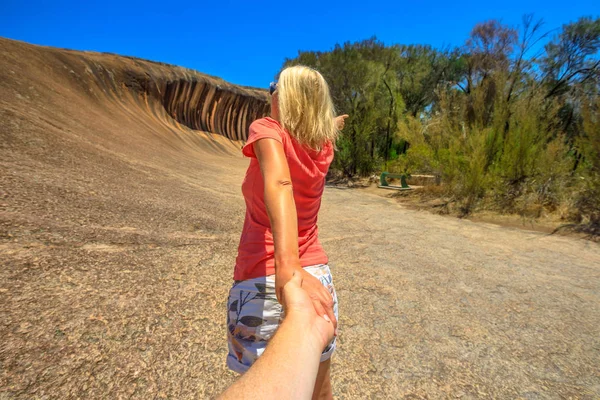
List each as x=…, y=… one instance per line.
x=245, y=42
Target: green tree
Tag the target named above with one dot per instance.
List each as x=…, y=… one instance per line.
x=494, y=121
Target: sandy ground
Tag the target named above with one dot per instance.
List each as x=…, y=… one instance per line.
x=436, y=307
x=118, y=234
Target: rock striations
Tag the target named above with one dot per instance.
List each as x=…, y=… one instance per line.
x=198, y=101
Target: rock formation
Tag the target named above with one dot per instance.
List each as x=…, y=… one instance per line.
x=196, y=100
x=204, y=105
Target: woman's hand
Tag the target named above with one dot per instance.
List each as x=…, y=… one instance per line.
x=339, y=121
x=300, y=312
x=319, y=296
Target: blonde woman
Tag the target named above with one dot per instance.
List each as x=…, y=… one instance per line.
x=290, y=153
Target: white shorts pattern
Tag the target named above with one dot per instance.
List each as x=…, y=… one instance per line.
x=254, y=314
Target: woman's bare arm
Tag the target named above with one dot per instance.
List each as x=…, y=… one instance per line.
x=279, y=200
x=281, y=208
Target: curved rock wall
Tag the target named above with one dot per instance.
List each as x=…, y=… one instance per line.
x=199, y=101
x=196, y=100
x=207, y=106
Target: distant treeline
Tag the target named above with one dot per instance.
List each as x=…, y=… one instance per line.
x=504, y=121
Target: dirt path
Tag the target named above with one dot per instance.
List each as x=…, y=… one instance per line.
x=437, y=307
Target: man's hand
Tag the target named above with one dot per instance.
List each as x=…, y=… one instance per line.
x=282, y=276
x=300, y=310
x=319, y=296
x=339, y=121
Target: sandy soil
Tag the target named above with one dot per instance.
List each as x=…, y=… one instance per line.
x=435, y=307
x=118, y=234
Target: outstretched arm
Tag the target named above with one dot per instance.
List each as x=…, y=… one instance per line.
x=279, y=200
x=281, y=208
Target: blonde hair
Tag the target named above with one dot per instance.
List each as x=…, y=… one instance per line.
x=305, y=107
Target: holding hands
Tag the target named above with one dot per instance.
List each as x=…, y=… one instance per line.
x=310, y=291
x=300, y=308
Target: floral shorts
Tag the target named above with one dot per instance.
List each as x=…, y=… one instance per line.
x=254, y=314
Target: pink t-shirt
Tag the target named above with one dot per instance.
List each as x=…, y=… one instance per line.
x=307, y=169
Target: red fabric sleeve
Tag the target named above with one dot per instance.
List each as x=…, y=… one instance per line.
x=260, y=129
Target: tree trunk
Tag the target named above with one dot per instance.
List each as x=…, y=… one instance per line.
x=389, y=123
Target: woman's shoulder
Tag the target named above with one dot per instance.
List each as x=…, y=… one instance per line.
x=268, y=127
x=265, y=123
